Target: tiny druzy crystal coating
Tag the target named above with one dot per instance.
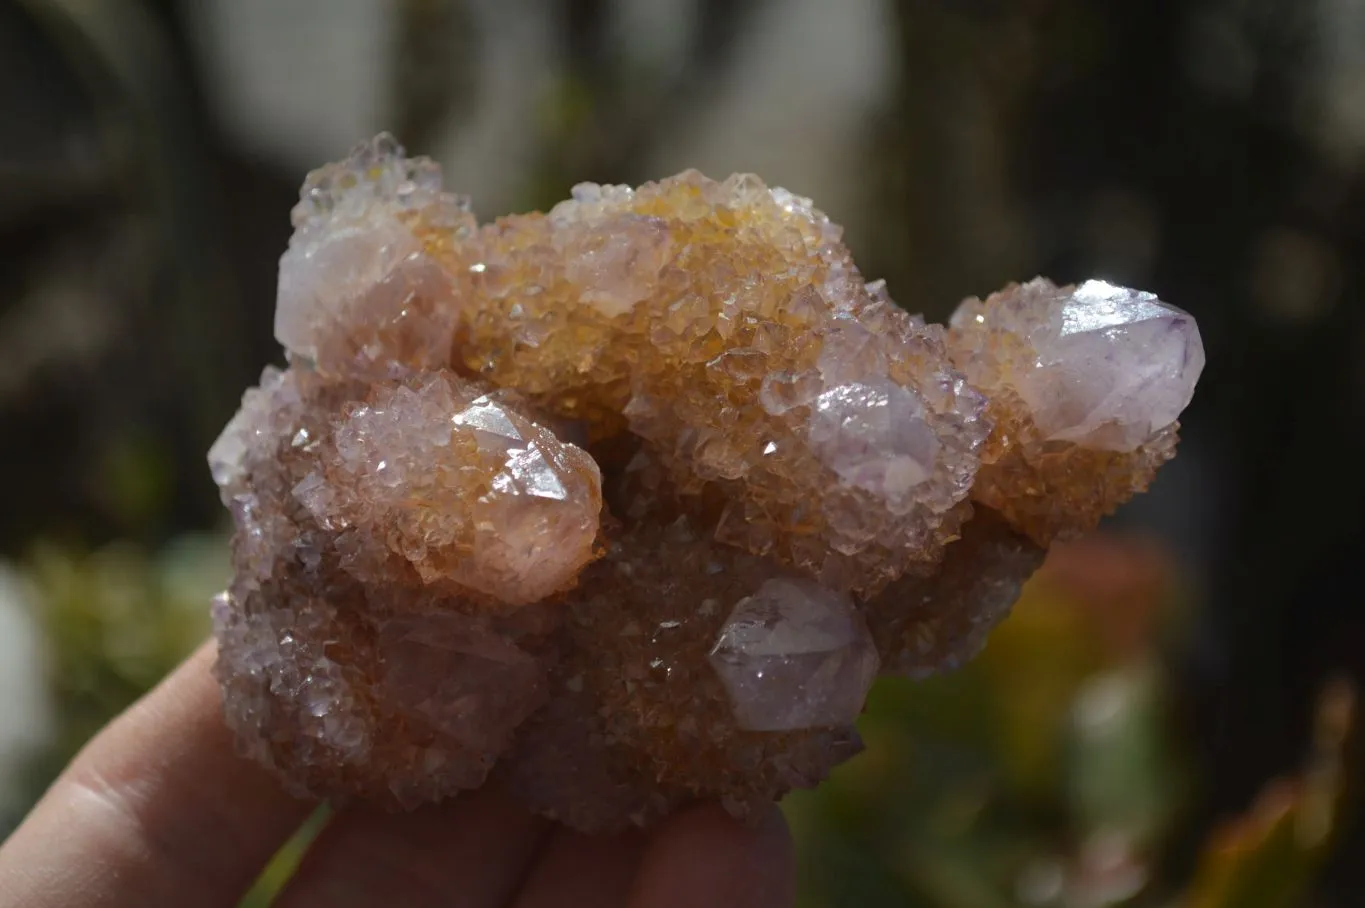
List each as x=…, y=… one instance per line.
x=627, y=504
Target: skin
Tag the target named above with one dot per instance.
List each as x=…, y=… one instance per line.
x=158, y=811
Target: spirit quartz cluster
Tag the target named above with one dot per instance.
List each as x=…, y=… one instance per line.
x=627, y=504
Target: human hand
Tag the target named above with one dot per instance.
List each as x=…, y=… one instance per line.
x=158, y=812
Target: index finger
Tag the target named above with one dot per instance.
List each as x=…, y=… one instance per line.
x=157, y=810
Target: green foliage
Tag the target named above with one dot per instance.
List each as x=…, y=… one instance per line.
x=117, y=621
x=134, y=477
x=286, y=860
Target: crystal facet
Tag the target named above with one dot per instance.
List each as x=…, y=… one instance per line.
x=795, y=655
x=1085, y=386
x=624, y=505
x=1104, y=367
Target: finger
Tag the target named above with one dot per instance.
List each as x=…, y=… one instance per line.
x=157, y=810
x=704, y=857
x=471, y=852
x=583, y=871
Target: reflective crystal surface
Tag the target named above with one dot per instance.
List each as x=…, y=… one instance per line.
x=795, y=655
x=1085, y=387
x=1102, y=366
x=625, y=505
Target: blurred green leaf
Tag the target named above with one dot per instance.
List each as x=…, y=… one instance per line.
x=285, y=862
x=134, y=475
x=117, y=621
x=1122, y=775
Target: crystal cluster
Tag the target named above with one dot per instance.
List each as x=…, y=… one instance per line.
x=627, y=504
x=1085, y=386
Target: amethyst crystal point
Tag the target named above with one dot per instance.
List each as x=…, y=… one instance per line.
x=1100, y=366
x=795, y=655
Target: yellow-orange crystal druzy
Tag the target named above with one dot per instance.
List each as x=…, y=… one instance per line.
x=627, y=504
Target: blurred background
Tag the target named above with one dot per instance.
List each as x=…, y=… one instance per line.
x=1167, y=719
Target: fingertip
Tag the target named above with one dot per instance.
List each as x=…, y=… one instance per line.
x=703, y=856
x=156, y=810
x=584, y=871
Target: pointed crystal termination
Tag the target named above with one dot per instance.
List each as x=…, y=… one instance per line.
x=875, y=437
x=1100, y=366
x=807, y=485
x=652, y=723
x=461, y=484
x=1086, y=385
x=795, y=655
x=365, y=646
x=359, y=291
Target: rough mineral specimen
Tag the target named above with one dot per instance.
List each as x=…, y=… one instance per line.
x=1085, y=384
x=627, y=504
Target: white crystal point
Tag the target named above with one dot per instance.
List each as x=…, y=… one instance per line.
x=876, y=437
x=612, y=254
x=1111, y=366
x=795, y=655
x=248, y=427
x=357, y=293
x=617, y=260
